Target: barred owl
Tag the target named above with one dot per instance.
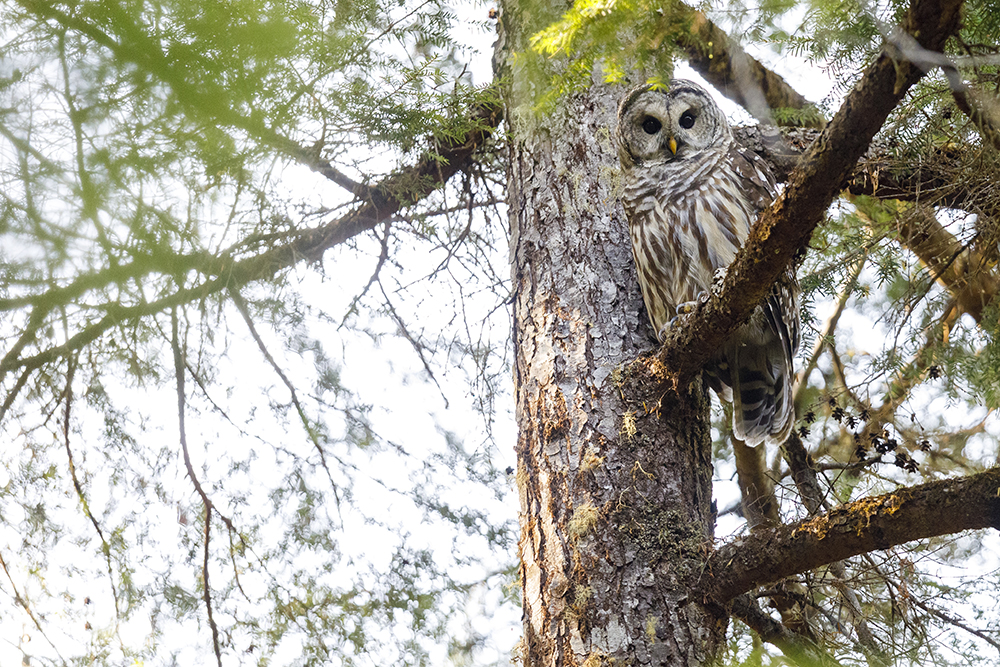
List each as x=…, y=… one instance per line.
x=690, y=195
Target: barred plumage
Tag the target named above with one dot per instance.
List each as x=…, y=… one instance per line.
x=691, y=193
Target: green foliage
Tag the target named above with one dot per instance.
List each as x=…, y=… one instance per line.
x=147, y=147
x=144, y=149
x=613, y=37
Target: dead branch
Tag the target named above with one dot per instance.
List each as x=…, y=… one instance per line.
x=206, y=501
x=760, y=505
x=81, y=496
x=310, y=430
x=206, y=589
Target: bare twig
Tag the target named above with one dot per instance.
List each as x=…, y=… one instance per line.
x=829, y=327
x=382, y=257
x=206, y=501
x=948, y=618
x=105, y=547
x=241, y=305
x=417, y=346
x=22, y=602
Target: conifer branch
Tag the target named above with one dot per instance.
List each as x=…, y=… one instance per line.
x=966, y=270
x=221, y=271
x=829, y=326
x=722, y=62
x=874, y=523
x=24, y=603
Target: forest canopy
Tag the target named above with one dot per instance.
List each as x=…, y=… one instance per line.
x=255, y=381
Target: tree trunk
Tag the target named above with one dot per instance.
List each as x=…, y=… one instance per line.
x=614, y=476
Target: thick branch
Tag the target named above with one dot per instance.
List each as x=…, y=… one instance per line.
x=938, y=508
x=930, y=178
x=785, y=227
x=964, y=271
x=760, y=506
x=980, y=107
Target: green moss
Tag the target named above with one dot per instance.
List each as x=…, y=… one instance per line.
x=659, y=534
x=583, y=519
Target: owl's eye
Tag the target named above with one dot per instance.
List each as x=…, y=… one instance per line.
x=687, y=120
x=650, y=125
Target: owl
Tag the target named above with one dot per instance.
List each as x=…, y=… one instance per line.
x=690, y=195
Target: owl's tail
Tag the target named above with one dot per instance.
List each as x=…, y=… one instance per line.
x=758, y=383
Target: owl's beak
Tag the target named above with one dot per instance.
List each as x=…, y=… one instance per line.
x=672, y=143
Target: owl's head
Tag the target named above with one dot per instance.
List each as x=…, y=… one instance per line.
x=657, y=125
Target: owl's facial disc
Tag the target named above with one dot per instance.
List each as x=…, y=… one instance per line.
x=668, y=125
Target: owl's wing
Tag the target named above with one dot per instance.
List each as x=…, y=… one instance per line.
x=758, y=181
x=782, y=310
x=766, y=372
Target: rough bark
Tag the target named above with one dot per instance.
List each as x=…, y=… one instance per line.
x=785, y=227
x=614, y=471
x=614, y=476
x=614, y=483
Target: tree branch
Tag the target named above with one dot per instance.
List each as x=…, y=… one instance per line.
x=980, y=107
x=797, y=648
x=404, y=188
x=310, y=430
x=963, y=270
x=880, y=522
x=785, y=227
x=206, y=501
x=724, y=64
x=81, y=496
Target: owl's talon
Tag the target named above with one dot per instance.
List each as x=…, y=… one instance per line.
x=661, y=335
x=681, y=309
x=718, y=280
x=687, y=307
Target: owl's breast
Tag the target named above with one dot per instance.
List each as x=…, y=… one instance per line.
x=682, y=233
